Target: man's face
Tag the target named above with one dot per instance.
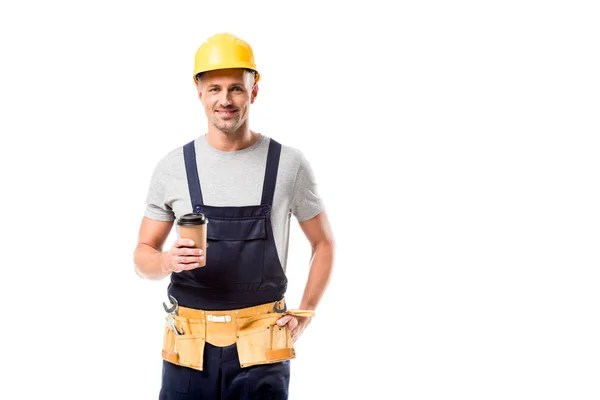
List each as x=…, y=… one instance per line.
x=226, y=95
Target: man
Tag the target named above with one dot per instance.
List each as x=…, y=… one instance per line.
x=231, y=336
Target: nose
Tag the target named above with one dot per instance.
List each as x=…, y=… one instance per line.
x=225, y=99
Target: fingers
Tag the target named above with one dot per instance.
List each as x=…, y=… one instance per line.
x=182, y=257
x=291, y=321
x=184, y=267
x=293, y=324
x=191, y=258
x=296, y=325
x=183, y=243
x=295, y=335
x=284, y=320
x=187, y=267
x=177, y=268
x=186, y=251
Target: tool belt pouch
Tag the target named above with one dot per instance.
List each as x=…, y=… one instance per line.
x=261, y=341
x=186, y=350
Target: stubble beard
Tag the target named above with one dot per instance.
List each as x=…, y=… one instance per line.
x=229, y=126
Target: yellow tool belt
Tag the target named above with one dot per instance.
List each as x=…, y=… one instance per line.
x=259, y=339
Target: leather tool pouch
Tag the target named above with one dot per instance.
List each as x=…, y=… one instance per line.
x=186, y=350
x=258, y=337
x=261, y=341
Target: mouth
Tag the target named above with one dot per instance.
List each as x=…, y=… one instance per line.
x=226, y=113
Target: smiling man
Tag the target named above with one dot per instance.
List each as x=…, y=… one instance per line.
x=231, y=333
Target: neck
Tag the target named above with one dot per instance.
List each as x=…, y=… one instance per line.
x=231, y=141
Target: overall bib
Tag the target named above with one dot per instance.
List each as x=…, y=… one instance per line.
x=242, y=266
x=242, y=270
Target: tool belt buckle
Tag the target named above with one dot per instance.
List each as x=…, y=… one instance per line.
x=218, y=318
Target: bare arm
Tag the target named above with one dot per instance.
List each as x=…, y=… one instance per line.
x=148, y=256
x=318, y=232
x=149, y=259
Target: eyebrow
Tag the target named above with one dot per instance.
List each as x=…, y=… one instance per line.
x=233, y=84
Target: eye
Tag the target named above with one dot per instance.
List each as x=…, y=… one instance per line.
x=238, y=89
x=214, y=89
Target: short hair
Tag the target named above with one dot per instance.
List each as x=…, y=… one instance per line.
x=198, y=75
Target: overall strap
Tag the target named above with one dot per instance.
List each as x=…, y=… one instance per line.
x=271, y=172
x=191, y=169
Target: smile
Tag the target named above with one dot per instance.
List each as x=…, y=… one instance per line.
x=226, y=113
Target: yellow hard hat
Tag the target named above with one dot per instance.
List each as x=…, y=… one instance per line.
x=222, y=51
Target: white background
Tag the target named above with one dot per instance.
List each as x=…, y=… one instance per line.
x=455, y=145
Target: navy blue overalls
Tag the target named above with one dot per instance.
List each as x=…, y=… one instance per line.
x=242, y=270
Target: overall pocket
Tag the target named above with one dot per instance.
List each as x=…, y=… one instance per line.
x=236, y=251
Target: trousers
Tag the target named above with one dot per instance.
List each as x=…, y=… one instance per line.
x=222, y=378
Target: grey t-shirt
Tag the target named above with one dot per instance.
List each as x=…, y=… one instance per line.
x=235, y=178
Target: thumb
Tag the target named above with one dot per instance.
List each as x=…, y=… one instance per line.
x=284, y=320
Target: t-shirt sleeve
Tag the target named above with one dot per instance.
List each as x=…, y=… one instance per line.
x=156, y=203
x=306, y=202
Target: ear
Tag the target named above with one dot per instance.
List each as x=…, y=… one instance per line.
x=254, y=93
x=199, y=92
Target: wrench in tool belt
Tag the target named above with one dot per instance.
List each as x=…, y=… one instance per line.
x=172, y=311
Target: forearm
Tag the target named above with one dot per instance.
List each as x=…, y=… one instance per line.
x=149, y=262
x=319, y=275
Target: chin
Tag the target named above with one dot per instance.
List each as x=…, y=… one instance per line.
x=226, y=129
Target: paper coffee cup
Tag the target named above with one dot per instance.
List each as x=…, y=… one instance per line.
x=193, y=226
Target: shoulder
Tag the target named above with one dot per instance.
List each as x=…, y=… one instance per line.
x=291, y=157
x=169, y=161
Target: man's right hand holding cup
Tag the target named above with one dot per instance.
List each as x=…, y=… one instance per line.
x=183, y=256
